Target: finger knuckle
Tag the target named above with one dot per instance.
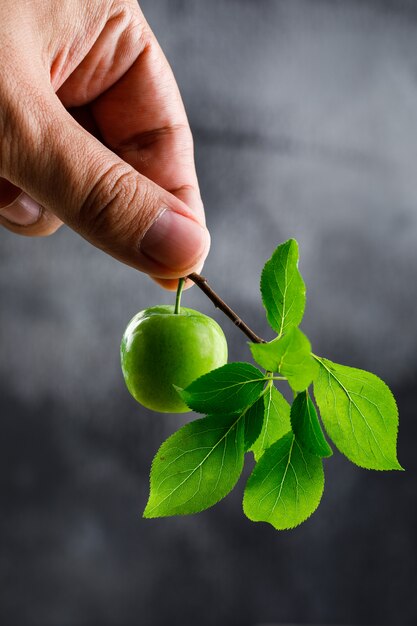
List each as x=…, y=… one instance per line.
x=117, y=204
x=22, y=129
x=133, y=23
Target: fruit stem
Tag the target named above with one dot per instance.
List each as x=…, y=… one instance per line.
x=202, y=283
x=180, y=287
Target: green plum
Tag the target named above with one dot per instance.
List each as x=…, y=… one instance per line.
x=161, y=348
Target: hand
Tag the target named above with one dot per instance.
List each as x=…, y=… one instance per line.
x=93, y=132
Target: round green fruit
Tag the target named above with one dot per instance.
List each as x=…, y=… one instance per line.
x=161, y=349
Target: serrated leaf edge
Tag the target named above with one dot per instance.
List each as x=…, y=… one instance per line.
x=182, y=392
x=289, y=527
x=374, y=469
x=290, y=242
x=146, y=513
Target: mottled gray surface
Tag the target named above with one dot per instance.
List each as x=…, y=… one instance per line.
x=305, y=121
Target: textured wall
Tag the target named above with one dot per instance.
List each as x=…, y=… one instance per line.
x=305, y=120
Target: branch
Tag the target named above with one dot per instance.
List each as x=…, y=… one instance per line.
x=202, y=283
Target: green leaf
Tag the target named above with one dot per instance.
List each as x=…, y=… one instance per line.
x=306, y=426
x=290, y=356
x=197, y=466
x=254, y=418
x=286, y=485
x=276, y=421
x=359, y=413
x=283, y=289
x=227, y=389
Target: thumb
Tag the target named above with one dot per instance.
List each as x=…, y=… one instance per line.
x=71, y=174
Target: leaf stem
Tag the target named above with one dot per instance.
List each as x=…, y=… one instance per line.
x=202, y=283
x=180, y=287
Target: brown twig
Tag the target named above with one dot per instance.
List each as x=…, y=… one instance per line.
x=202, y=283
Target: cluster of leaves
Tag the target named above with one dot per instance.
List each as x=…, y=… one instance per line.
x=201, y=463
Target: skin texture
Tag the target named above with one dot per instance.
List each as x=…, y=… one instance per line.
x=161, y=349
x=94, y=132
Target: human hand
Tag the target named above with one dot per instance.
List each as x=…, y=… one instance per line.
x=93, y=130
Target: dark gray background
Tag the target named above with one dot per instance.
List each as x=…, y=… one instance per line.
x=305, y=122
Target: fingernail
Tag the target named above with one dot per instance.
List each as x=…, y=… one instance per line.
x=174, y=241
x=23, y=211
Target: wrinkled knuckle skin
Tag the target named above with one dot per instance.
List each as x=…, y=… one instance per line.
x=23, y=139
x=117, y=207
x=128, y=13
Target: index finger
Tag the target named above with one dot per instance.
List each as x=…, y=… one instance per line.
x=142, y=118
